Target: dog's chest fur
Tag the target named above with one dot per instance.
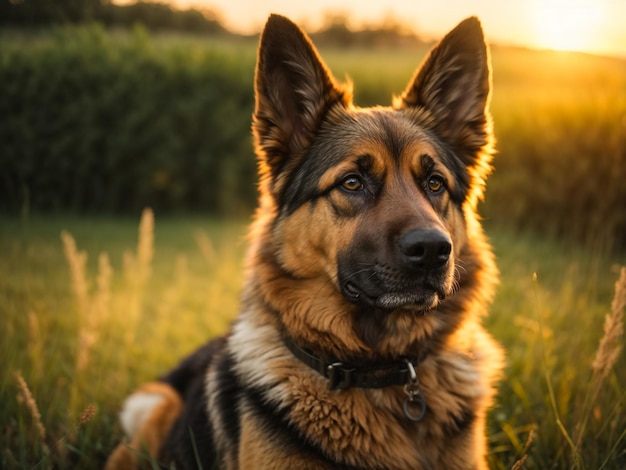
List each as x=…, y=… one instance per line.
x=335, y=428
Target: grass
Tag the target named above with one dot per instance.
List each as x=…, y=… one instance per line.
x=548, y=313
x=93, y=312
x=80, y=351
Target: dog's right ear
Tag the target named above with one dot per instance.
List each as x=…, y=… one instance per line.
x=293, y=92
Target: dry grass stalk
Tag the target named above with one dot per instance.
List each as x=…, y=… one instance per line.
x=87, y=414
x=92, y=319
x=609, y=348
x=92, y=309
x=608, y=351
x=35, y=344
x=103, y=293
x=205, y=245
x=519, y=464
x=145, y=246
x=137, y=270
x=27, y=398
x=128, y=266
x=76, y=261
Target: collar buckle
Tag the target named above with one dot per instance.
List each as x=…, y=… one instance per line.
x=339, y=376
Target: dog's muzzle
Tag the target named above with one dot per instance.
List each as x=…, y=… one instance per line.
x=417, y=278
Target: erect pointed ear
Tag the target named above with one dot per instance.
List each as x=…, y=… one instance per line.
x=453, y=86
x=294, y=90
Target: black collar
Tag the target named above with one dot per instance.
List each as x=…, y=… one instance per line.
x=342, y=375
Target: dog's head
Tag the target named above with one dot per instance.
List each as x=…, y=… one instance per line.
x=366, y=213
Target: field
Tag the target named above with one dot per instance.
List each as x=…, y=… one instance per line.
x=92, y=305
x=85, y=328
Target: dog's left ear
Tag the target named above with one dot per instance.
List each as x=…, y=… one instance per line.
x=453, y=86
x=293, y=90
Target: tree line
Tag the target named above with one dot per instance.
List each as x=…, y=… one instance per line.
x=154, y=16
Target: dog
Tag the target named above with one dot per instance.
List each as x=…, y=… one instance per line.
x=359, y=342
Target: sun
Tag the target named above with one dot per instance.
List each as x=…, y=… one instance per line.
x=573, y=25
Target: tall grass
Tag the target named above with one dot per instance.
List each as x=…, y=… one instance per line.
x=78, y=335
x=550, y=323
x=75, y=350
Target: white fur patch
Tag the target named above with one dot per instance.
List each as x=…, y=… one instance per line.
x=257, y=347
x=136, y=410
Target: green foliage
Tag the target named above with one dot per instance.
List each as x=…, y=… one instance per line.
x=42, y=12
x=159, y=17
x=94, y=122
x=154, y=16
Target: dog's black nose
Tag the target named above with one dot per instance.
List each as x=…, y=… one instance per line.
x=425, y=248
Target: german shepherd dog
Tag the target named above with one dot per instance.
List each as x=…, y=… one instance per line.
x=359, y=341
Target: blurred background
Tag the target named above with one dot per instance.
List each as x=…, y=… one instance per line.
x=111, y=107
x=114, y=113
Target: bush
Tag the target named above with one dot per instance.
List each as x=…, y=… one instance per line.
x=93, y=123
x=561, y=171
x=154, y=16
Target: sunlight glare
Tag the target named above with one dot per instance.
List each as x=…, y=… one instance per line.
x=568, y=24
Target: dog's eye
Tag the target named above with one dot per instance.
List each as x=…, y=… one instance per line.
x=352, y=183
x=435, y=184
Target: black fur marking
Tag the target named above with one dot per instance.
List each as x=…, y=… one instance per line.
x=428, y=164
x=302, y=185
x=192, y=432
x=229, y=394
x=459, y=193
x=460, y=424
x=338, y=211
x=390, y=138
x=453, y=163
x=182, y=377
x=192, y=429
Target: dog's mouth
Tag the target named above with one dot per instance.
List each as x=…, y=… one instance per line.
x=416, y=300
x=408, y=301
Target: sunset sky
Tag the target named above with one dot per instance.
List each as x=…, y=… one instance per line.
x=597, y=26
